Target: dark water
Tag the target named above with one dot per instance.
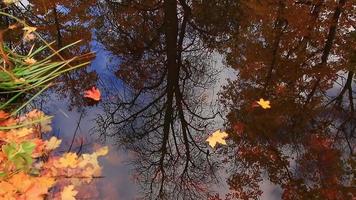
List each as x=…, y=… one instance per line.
x=172, y=72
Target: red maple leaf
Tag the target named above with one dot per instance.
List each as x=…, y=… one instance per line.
x=92, y=93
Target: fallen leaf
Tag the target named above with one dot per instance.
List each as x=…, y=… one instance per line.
x=29, y=29
x=102, y=151
x=52, y=143
x=30, y=61
x=68, y=160
x=217, y=137
x=38, y=190
x=69, y=193
x=88, y=173
x=22, y=132
x=264, y=104
x=92, y=93
x=6, y=188
x=91, y=159
x=21, y=181
x=40, y=145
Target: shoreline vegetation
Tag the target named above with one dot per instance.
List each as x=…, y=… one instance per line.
x=30, y=168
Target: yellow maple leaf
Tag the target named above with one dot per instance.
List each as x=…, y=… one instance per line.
x=89, y=172
x=30, y=61
x=86, y=159
x=68, y=160
x=69, y=193
x=22, y=132
x=28, y=30
x=264, y=104
x=217, y=137
x=102, y=151
x=52, y=143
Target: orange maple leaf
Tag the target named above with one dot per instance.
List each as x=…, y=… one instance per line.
x=40, y=188
x=92, y=93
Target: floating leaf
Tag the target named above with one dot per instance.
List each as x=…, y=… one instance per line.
x=22, y=132
x=102, y=151
x=28, y=30
x=68, y=193
x=264, y=104
x=38, y=190
x=68, y=160
x=20, y=155
x=217, y=137
x=6, y=188
x=93, y=93
x=52, y=143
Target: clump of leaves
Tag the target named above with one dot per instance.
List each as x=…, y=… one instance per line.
x=28, y=167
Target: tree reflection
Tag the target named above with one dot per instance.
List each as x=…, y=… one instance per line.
x=299, y=54
x=158, y=107
x=305, y=142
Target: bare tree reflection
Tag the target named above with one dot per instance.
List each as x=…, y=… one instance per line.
x=162, y=113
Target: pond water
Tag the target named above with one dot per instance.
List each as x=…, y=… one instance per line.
x=173, y=72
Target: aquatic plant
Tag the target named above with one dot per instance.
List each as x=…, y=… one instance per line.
x=22, y=74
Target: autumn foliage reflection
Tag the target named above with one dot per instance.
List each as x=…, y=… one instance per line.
x=293, y=53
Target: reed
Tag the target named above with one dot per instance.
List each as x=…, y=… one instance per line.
x=23, y=74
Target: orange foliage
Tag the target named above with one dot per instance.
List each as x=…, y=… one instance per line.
x=93, y=93
x=27, y=168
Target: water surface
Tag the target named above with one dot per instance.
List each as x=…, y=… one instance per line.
x=173, y=72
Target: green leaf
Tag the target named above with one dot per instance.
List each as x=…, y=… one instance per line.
x=9, y=150
x=27, y=147
x=19, y=162
x=2, y=174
